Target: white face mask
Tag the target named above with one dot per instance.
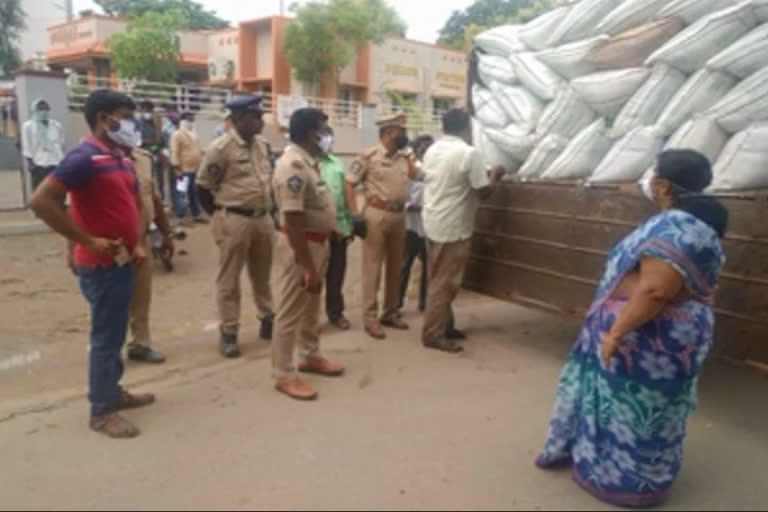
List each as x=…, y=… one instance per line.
x=147, y=116
x=125, y=135
x=646, y=185
x=325, y=143
x=188, y=125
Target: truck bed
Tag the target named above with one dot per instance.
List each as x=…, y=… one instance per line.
x=545, y=245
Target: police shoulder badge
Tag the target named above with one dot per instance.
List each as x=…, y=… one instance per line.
x=214, y=170
x=294, y=183
x=356, y=168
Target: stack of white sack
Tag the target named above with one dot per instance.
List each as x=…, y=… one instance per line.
x=596, y=89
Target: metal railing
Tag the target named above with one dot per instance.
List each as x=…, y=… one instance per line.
x=210, y=101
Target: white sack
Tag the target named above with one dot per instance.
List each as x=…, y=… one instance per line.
x=630, y=157
x=582, y=155
x=542, y=156
x=513, y=140
x=608, y=91
x=570, y=60
x=501, y=41
x=487, y=108
x=690, y=50
x=495, y=69
x=536, y=33
x=629, y=14
x=747, y=103
x=522, y=107
x=566, y=116
x=582, y=21
x=760, y=7
x=743, y=165
x=492, y=154
x=692, y=10
x=647, y=103
x=630, y=48
x=700, y=134
x=535, y=76
x=746, y=56
x=700, y=92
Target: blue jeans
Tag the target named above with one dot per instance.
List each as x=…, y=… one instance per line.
x=180, y=199
x=108, y=291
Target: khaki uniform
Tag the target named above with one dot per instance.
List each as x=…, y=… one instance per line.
x=142, y=289
x=299, y=188
x=446, y=272
x=238, y=175
x=186, y=153
x=385, y=179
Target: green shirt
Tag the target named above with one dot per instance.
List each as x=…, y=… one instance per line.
x=332, y=170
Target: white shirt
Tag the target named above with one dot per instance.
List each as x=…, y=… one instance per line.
x=453, y=171
x=413, y=208
x=44, y=152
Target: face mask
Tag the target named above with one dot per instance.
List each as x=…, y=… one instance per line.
x=401, y=141
x=42, y=115
x=125, y=135
x=147, y=116
x=647, y=187
x=325, y=143
x=188, y=125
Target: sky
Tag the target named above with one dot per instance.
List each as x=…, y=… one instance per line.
x=424, y=18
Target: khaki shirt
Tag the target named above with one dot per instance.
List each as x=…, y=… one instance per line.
x=237, y=174
x=299, y=187
x=186, y=153
x=383, y=176
x=142, y=162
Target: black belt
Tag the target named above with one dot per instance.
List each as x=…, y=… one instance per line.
x=254, y=213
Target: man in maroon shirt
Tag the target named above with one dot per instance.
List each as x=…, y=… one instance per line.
x=104, y=226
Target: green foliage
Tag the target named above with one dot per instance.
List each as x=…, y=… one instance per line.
x=196, y=16
x=326, y=35
x=12, y=21
x=149, y=48
x=463, y=26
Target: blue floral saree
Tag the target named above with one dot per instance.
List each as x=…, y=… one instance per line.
x=621, y=428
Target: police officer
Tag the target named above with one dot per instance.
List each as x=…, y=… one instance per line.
x=307, y=217
x=383, y=171
x=234, y=188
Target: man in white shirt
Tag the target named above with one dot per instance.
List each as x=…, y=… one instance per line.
x=455, y=178
x=42, y=142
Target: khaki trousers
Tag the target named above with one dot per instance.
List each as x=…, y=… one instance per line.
x=446, y=272
x=243, y=242
x=140, y=303
x=383, y=246
x=298, y=312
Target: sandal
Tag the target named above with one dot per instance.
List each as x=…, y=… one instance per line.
x=395, y=323
x=450, y=347
x=297, y=389
x=321, y=366
x=341, y=323
x=375, y=331
x=115, y=426
x=129, y=401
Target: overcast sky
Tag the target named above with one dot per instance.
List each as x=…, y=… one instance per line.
x=424, y=17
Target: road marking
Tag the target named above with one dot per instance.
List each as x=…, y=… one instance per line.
x=19, y=360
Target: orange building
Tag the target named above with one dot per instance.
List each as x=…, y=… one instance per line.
x=250, y=57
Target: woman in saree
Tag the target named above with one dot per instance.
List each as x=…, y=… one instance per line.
x=630, y=381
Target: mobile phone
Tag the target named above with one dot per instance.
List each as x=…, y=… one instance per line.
x=122, y=256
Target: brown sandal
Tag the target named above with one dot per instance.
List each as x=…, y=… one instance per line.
x=129, y=401
x=375, y=331
x=115, y=426
x=297, y=389
x=321, y=366
x=395, y=323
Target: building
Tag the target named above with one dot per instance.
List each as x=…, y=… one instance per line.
x=40, y=14
x=250, y=57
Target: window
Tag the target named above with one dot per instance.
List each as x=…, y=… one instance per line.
x=441, y=105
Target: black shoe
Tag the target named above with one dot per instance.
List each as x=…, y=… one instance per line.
x=228, y=346
x=266, y=328
x=146, y=355
x=455, y=334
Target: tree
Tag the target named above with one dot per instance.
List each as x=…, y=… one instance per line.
x=149, y=48
x=325, y=37
x=198, y=18
x=12, y=19
x=463, y=26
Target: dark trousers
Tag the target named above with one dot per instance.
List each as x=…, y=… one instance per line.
x=415, y=247
x=38, y=175
x=108, y=291
x=334, y=279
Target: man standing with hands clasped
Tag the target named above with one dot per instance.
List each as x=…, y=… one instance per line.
x=104, y=225
x=455, y=177
x=383, y=171
x=307, y=217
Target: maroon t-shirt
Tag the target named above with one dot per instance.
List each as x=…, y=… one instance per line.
x=102, y=187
